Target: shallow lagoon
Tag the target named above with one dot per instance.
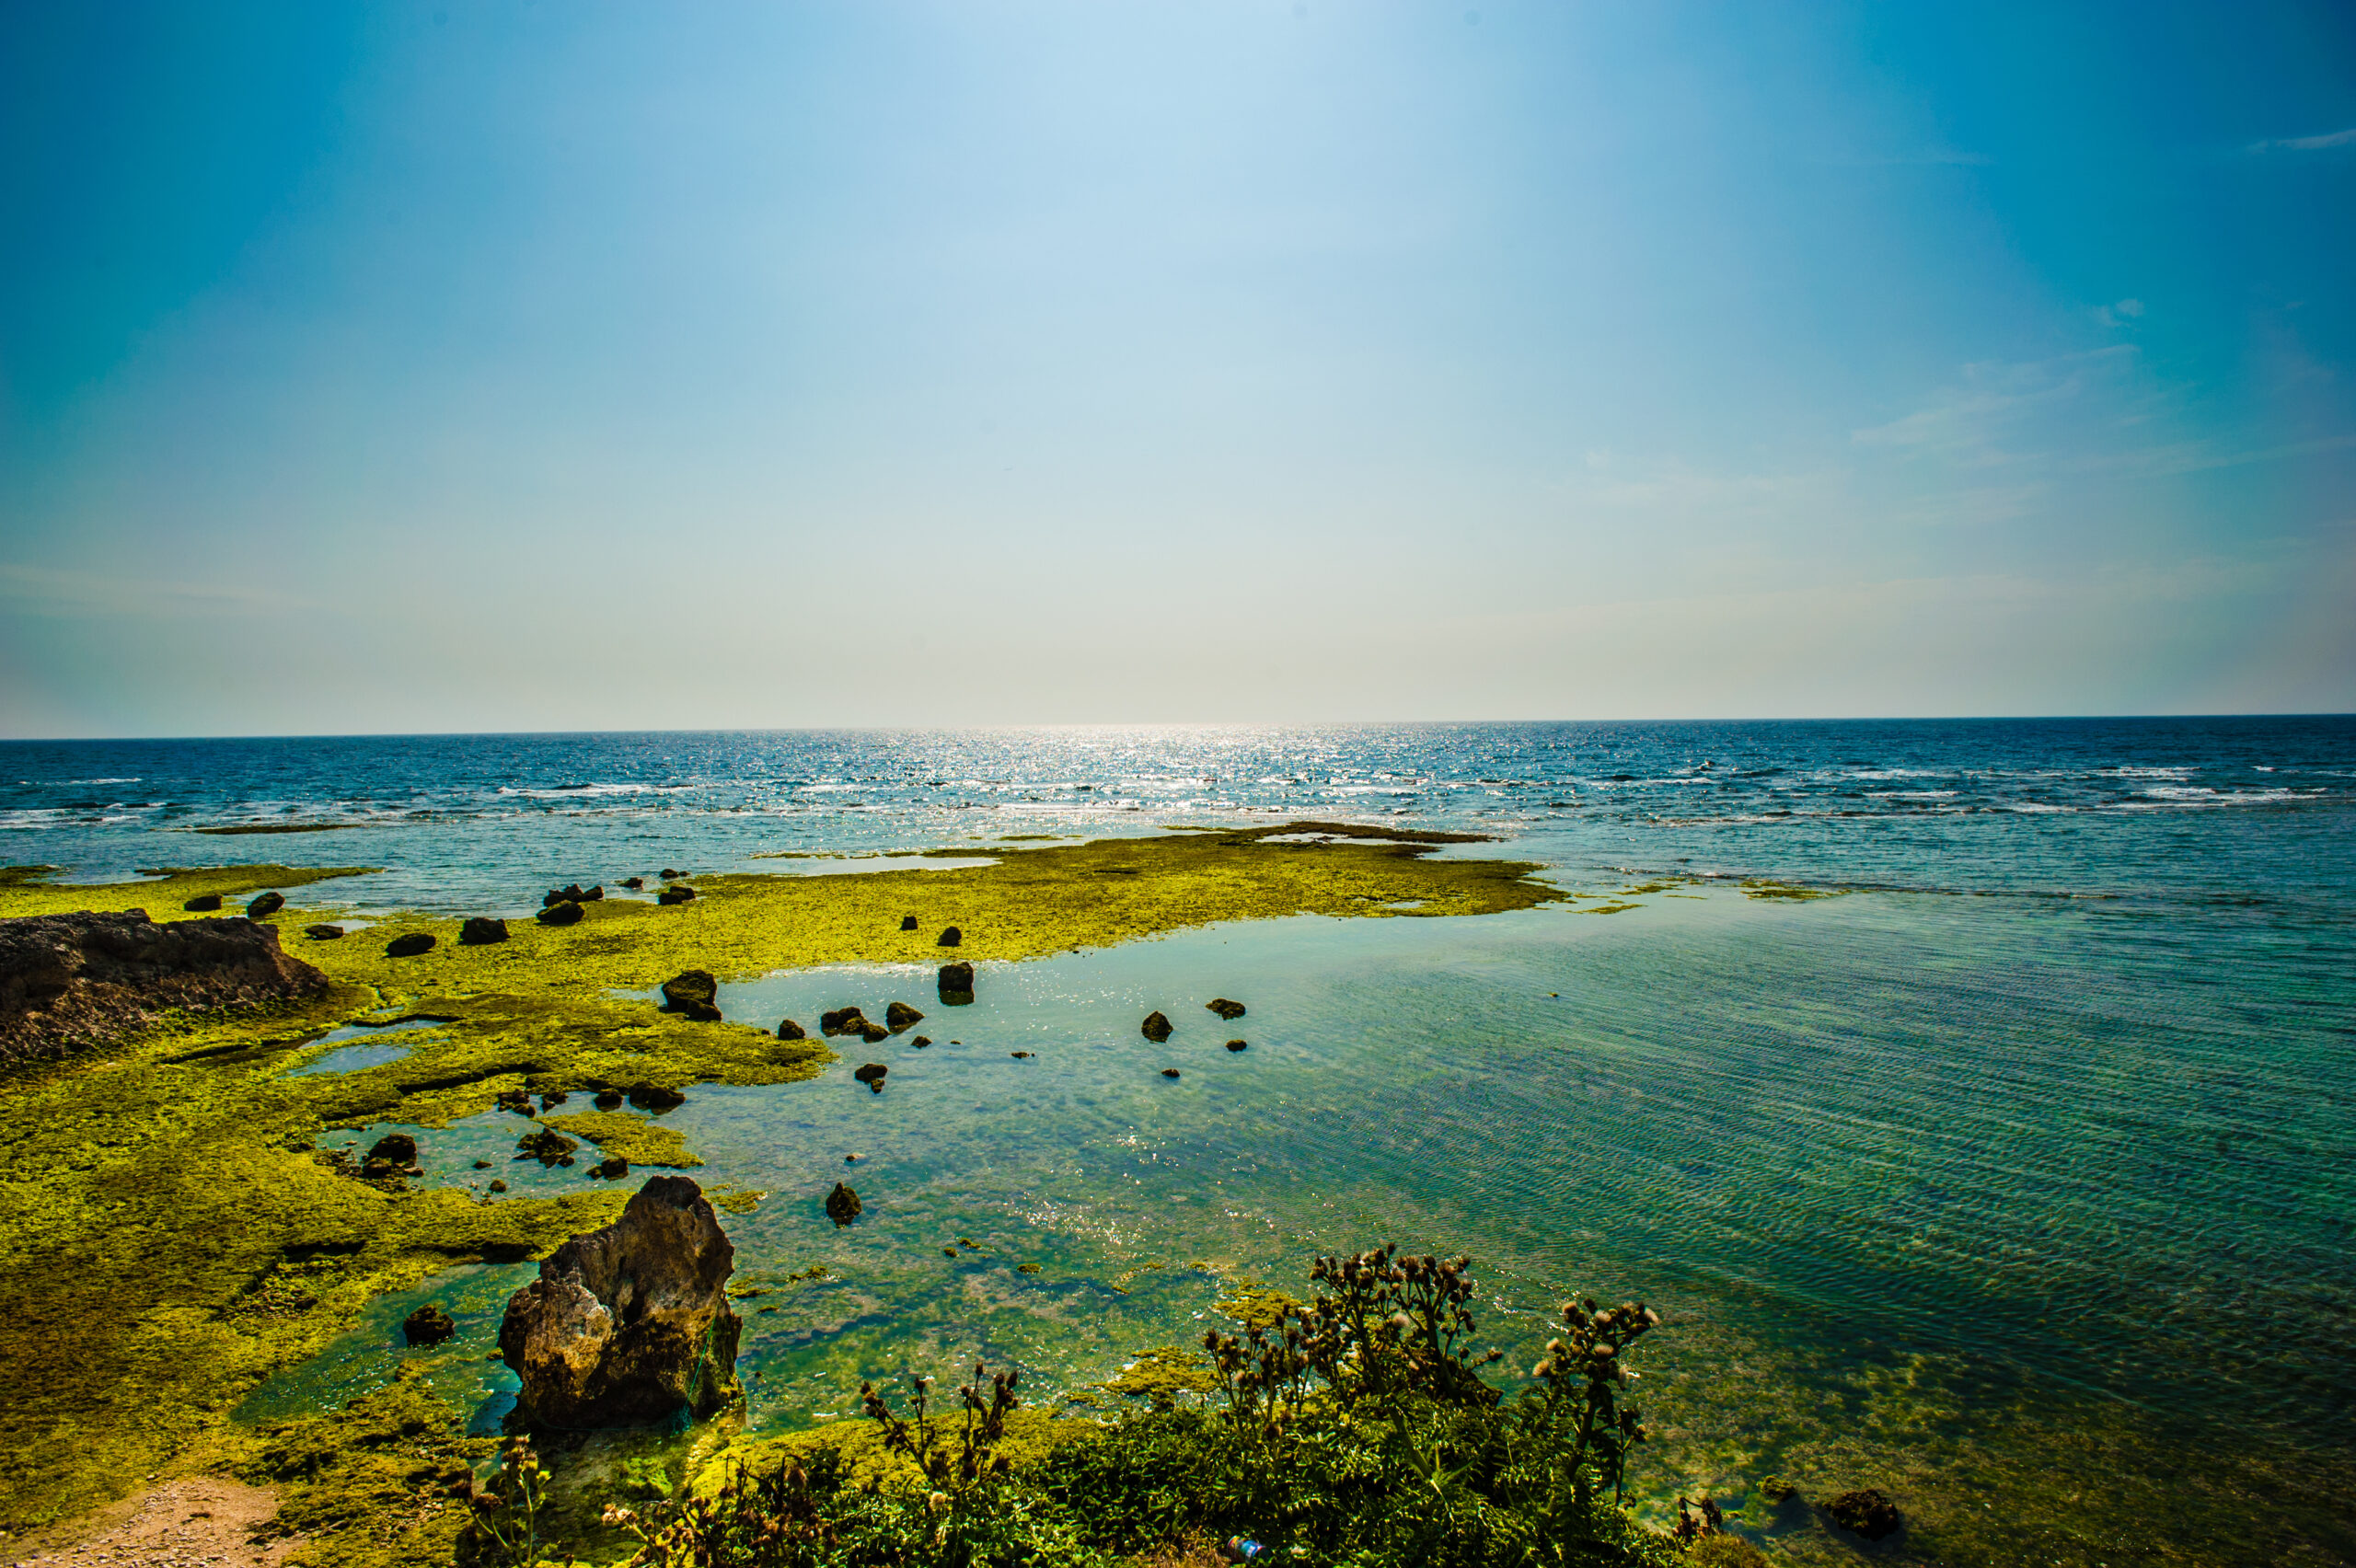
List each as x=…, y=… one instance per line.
x=1981, y=1200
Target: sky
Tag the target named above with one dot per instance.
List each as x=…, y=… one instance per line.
x=541, y=365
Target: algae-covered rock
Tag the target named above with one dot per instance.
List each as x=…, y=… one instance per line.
x=565, y=914
x=613, y=1168
x=633, y=883
x=900, y=1016
x=323, y=933
x=653, y=1099
x=572, y=892
x=693, y=994
x=203, y=903
x=629, y=1324
x=950, y=938
x=546, y=1145
x=265, y=904
x=1228, y=1011
x=428, y=1325
x=677, y=893
x=69, y=982
x=843, y=1204
x=957, y=985
x=789, y=1030
x=1155, y=1028
x=1865, y=1512
x=409, y=944
x=481, y=931
x=398, y=1148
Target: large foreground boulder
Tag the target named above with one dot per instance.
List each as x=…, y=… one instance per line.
x=72, y=982
x=630, y=1325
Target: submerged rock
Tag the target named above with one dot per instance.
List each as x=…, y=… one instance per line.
x=900, y=1016
x=950, y=938
x=1226, y=1010
x=428, y=1325
x=629, y=1325
x=692, y=996
x=1866, y=1513
x=265, y=904
x=323, y=933
x=1155, y=1028
x=678, y=892
x=565, y=914
x=789, y=1030
x=957, y=985
x=908, y=922
x=202, y=903
x=872, y=1074
x=481, y=930
x=409, y=944
x=842, y=1204
x=69, y=982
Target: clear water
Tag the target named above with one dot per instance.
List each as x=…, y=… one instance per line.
x=357, y=1046
x=2018, y=1182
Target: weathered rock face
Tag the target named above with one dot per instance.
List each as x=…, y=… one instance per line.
x=692, y=995
x=481, y=930
x=629, y=1325
x=72, y=982
x=1155, y=1028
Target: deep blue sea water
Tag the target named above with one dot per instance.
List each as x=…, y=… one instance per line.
x=2018, y=1180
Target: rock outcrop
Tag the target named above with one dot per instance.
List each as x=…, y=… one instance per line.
x=1155, y=1028
x=629, y=1325
x=957, y=985
x=482, y=930
x=72, y=982
x=693, y=994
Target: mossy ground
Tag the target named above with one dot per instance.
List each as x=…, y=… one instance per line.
x=174, y=1239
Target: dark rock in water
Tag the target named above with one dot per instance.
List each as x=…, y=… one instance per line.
x=481, y=931
x=957, y=985
x=546, y=1145
x=496, y=1186
x=1226, y=1010
x=266, y=904
x=872, y=1074
x=1155, y=1028
x=633, y=883
x=323, y=933
x=950, y=938
x=553, y=1099
x=842, y=1204
x=518, y=1100
x=71, y=982
x=921, y=1041
x=1021, y=1055
x=849, y=1020
x=900, y=1016
x=667, y=874
x=565, y=914
x=483, y=1164
x=613, y=1168
x=1237, y=1044
x=409, y=944
x=655, y=1100
x=691, y=995
x=678, y=892
x=789, y=1030
x=609, y=1100
x=1865, y=1512
x=908, y=922
x=398, y=1149
x=873, y=1033
x=205, y=902
x=570, y=894
x=629, y=1325
x=1170, y=1072
x=592, y=894
x=428, y=1325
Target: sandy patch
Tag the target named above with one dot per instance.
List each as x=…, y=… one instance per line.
x=198, y=1522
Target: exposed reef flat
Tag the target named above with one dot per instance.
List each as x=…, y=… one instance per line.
x=177, y=1237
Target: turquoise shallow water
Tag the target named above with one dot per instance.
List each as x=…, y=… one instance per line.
x=2017, y=1182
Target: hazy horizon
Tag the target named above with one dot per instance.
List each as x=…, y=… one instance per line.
x=522, y=368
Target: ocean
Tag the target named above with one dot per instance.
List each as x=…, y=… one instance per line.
x=2016, y=1179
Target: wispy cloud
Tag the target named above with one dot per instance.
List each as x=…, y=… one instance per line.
x=49, y=591
x=1969, y=421
x=2307, y=143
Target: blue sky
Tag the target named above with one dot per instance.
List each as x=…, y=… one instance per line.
x=545, y=365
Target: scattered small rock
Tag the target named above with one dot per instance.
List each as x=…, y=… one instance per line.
x=655, y=1100
x=553, y=1099
x=633, y=883
x=872, y=1074
x=569, y=894
x=323, y=933
x=481, y=931
x=853, y=1159
x=949, y=1252
x=1026, y=1268
x=565, y=914
x=667, y=874
x=1866, y=1513
x=789, y=1030
x=497, y=1185
x=1170, y=1072
x=546, y=1145
x=428, y=1325
x=267, y=904
x=518, y=1100
x=957, y=985
x=483, y=1164
x=1228, y=1010
x=842, y=1204
x=1156, y=1028
x=900, y=1016
x=613, y=1168
x=1237, y=1044
x=409, y=944
x=908, y=922
x=1021, y=1055
x=950, y=938
x=205, y=902
x=399, y=1149
x=692, y=996
x=678, y=892
x=841, y=1020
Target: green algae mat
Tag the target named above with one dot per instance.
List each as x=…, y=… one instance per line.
x=175, y=1235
